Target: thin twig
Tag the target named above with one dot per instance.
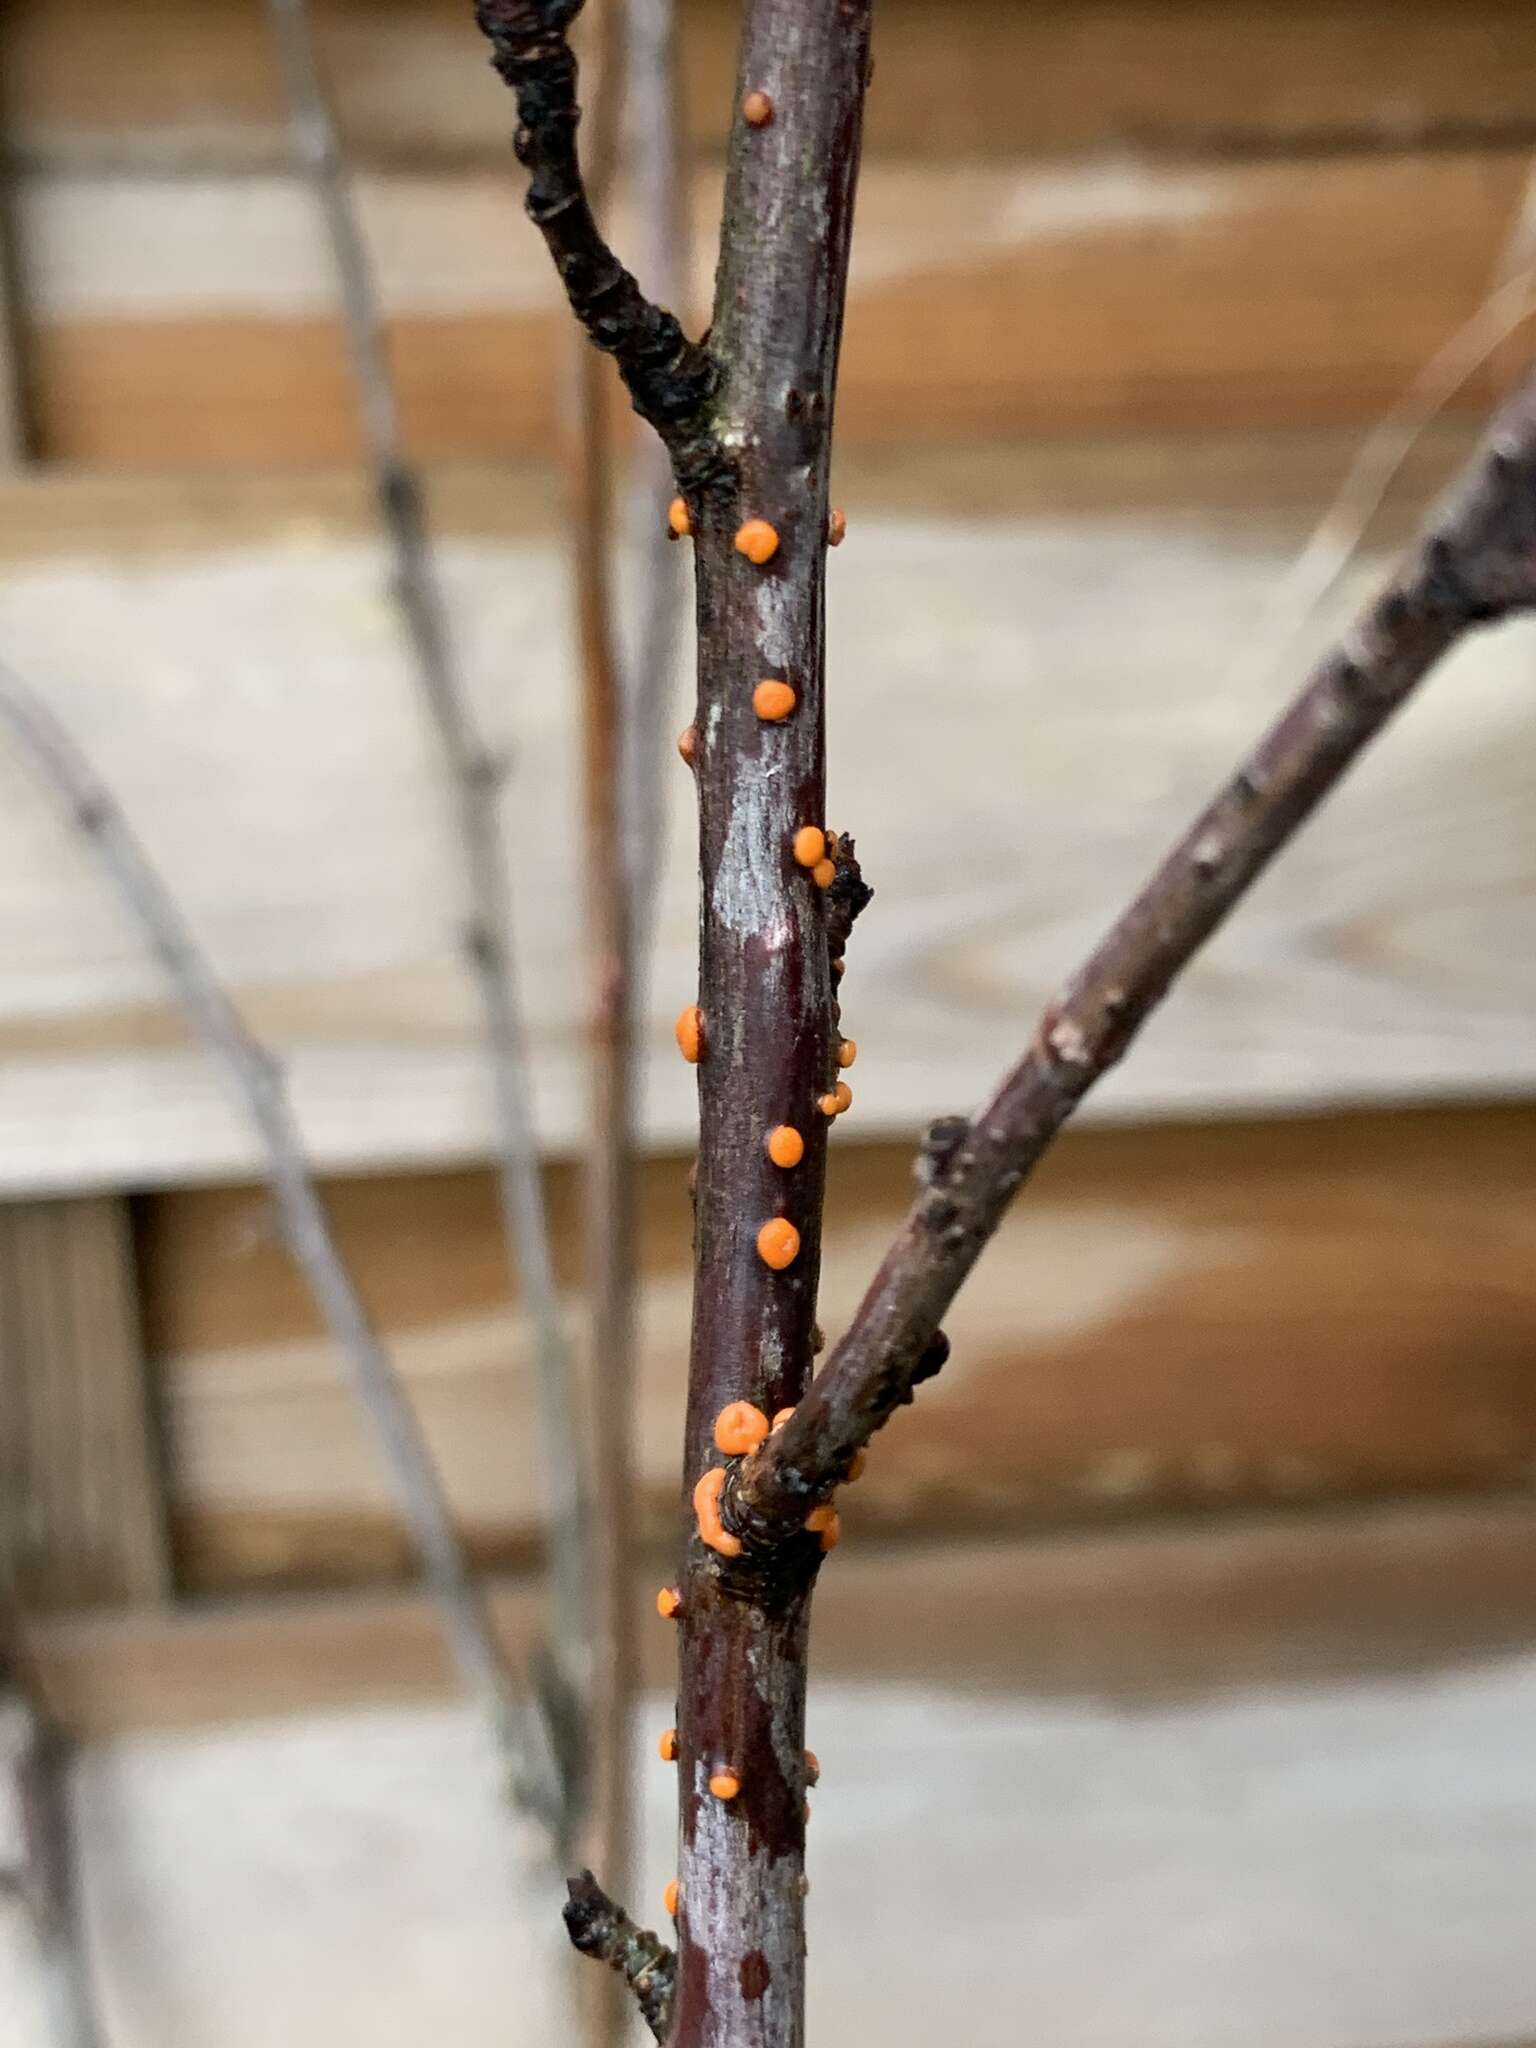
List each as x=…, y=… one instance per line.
x=256, y=1085
x=661, y=204
x=1476, y=563
x=14, y=435
x=669, y=378
x=475, y=786
x=605, y=1932
x=610, y=1152
x=37, y=1758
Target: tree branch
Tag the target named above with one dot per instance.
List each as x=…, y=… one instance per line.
x=1476, y=564
x=475, y=786
x=256, y=1084
x=670, y=378
x=661, y=201
x=605, y=1932
x=35, y=1755
x=609, y=1177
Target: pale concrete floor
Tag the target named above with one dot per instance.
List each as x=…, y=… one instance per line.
x=1350, y=1866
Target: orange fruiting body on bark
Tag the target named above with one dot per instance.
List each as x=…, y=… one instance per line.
x=778, y=1243
x=689, y=1033
x=812, y=1768
x=786, y=1147
x=773, y=700
x=781, y=1416
x=856, y=1465
x=842, y=1095
x=669, y=1603
x=832, y=1535
x=827, y=1104
x=740, y=1428
x=810, y=845
x=666, y=1748
x=688, y=743
x=669, y=1900
x=678, y=521
x=837, y=528
x=706, y=1505
x=725, y=1784
x=823, y=874
x=847, y=1052
x=757, y=110
x=821, y=1518
x=758, y=541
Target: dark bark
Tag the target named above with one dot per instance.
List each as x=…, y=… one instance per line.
x=605, y=1932
x=669, y=377
x=765, y=988
x=1476, y=564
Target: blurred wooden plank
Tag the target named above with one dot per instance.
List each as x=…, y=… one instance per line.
x=229, y=656
x=1186, y=1317
x=1157, y=1616
x=177, y=79
x=191, y=322
x=81, y=1512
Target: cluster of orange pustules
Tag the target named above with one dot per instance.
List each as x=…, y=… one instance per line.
x=740, y=1428
x=778, y=1241
x=757, y=539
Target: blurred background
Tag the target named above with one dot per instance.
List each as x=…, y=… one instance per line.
x=1175, y=1681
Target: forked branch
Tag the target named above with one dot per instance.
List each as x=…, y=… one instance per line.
x=669, y=377
x=1475, y=564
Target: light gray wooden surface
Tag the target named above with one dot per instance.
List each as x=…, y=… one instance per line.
x=1036, y=677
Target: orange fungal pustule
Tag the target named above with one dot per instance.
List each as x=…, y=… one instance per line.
x=824, y=874
x=842, y=1095
x=812, y=1768
x=757, y=540
x=757, y=109
x=847, y=1051
x=857, y=1465
x=780, y=1417
x=688, y=744
x=666, y=1747
x=706, y=1506
x=778, y=1243
x=725, y=1784
x=837, y=528
x=740, y=1428
x=669, y=1603
x=786, y=1147
x=679, y=523
x=832, y=1535
x=827, y=1103
x=809, y=845
x=669, y=1899
x=773, y=700
x=821, y=1518
x=689, y=1033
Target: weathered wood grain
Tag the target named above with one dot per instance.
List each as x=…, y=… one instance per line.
x=176, y=321
x=1186, y=1317
x=1033, y=662
x=1156, y=1616
x=82, y=1516
x=975, y=77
